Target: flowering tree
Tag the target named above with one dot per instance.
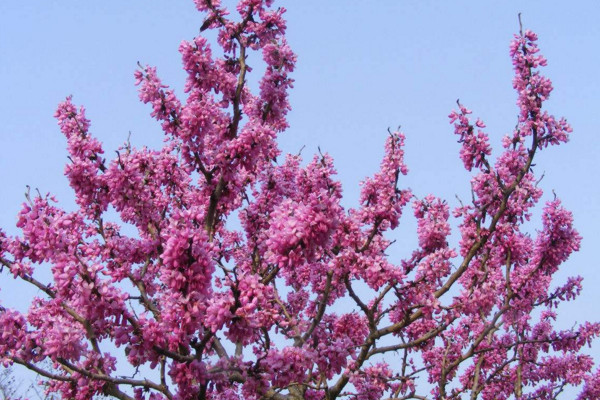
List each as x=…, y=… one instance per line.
x=211, y=312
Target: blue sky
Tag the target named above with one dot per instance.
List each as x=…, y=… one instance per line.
x=361, y=69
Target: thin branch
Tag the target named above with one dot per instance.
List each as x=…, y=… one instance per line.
x=322, y=306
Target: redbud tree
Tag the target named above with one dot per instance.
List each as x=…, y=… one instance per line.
x=231, y=285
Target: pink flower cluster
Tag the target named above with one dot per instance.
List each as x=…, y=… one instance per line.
x=381, y=200
x=475, y=142
x=85, y=153
x=372, y=382
x=533, y=89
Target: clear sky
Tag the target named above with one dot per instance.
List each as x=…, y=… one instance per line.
x=361, y=69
